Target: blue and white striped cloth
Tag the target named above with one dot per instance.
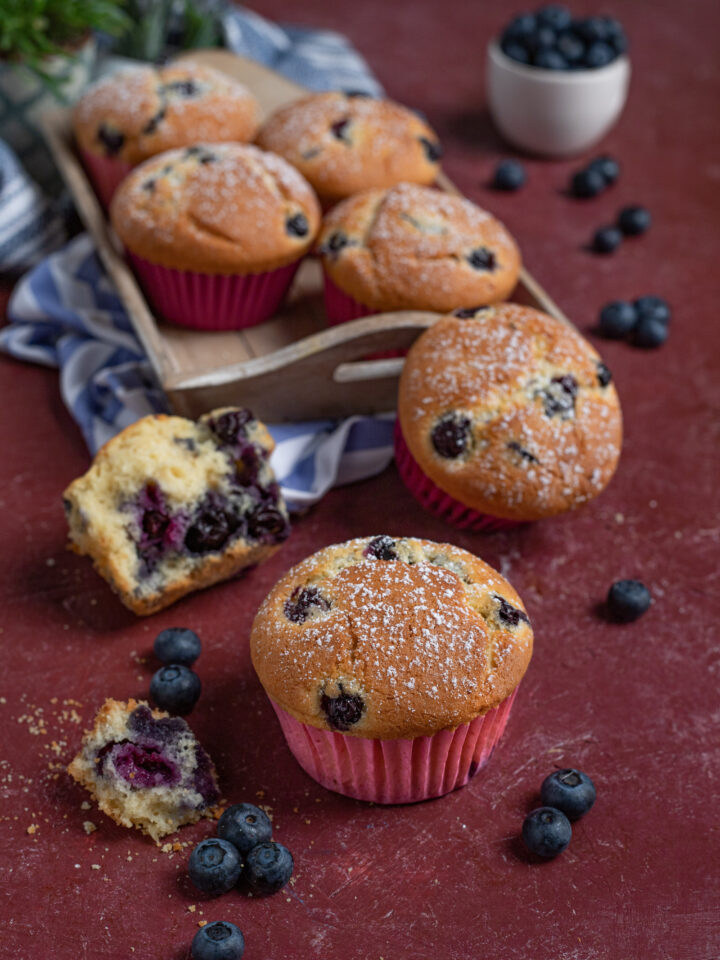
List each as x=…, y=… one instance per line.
x=66, y=313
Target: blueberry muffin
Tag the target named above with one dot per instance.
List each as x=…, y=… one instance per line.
x=386, y=639
x=416, y=248
x=225, y=211
x=170, y=506
x=506, y=412
x=139, y=112
x=145, y=769
x=344, y=143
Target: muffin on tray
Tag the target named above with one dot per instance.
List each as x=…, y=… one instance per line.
x=392, y=664
x=170, y=506
x=413, y=248
x=344, y=143
x=505, y=415
x=136, y=113
x=145, y=769
x=216, y=232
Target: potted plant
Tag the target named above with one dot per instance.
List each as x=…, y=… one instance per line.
x=47, y=51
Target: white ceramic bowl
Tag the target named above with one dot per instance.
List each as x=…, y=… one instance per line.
x=554, y=112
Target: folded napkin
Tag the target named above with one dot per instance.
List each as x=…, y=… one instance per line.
x=66, y=313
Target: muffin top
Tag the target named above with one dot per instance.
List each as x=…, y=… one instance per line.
x=136, y=113
x=216, y=208
x=388, y=638
x=416, y=248
x=344, y=143
x=511, y=412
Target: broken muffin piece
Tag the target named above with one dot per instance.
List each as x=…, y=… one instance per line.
x=170, y=506
x=145, y=769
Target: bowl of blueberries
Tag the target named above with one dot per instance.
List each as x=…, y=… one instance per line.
x=556, y=84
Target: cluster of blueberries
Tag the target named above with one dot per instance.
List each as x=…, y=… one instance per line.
x=243, y=854
x=645, y=322
x=566, y=795
x=175, y=687
x=552, y=40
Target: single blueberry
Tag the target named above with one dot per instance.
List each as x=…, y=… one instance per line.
x=482, y=259
x=634, y=220
x=268, y=524
x=451, y=435
x=149, y=185
x=210, y=530
x=268, y=867
x=522, y=452
x=556, y=16
x=615, y=35
x=592, y=29
x=215, y=866
x=653, y=307
x=606, y=240
x=339, y=130
x=650, y=331
x=343, y=711
x=521, y=26
x=335, y=243
x=598, y=55
x=230, y=426
x=298, y=606
x=607, y=166
x=185, y=88
x=548, y=59
x=111, y=139
x=617, y=319
x=175, y=688
x=509, y=175
x=244, y=826
x=587, y=183
x=433, y=149
x=603, y=374
x=220, y=940
x=571, y=47
x=543, y=38
x=154, y=121
x=570, y=791
x=177, y=645
x=141, y=766
x=509, y=615
x=382, y=548
x=297, y=225
x=627, y=600
x=546, y=832
x=559, y=396
x=516, y=51
x=466, y=313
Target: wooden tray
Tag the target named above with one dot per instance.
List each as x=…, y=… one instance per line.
x=293, y=367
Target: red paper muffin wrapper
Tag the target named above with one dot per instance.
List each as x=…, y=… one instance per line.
x=340, y=307
x=395, y=771
x=106, y=174
x=430, y=496
x=207, y=301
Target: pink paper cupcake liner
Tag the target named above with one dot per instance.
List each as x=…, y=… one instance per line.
x=340, y=307
x=430, y=496
x=106, y=174
x=396, y=771
x=206, y=301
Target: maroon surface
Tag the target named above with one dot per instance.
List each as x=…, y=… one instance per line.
x=635, y=706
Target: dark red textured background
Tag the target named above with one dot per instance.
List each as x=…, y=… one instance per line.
x=635, y=706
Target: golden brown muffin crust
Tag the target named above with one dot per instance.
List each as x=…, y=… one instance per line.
x=137, y=113
x=539, y=418
x=347, y=143
x=416, y=248
x=216, y=208
x=418, y=638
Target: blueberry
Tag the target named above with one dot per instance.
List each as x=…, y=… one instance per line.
x=382, y=548
x=650, y=331
x=111, y=139
x=615, y=35
x=220, y=940
x=433, y=149
x=215, y=866
x=541, y=39
x=297, y=225
x=571, y=47
x=268, y=524
x=466, y=313
x=617, y=319
x=210, y=530
x=593, y=29
x=606, y=240
x=550, y=60
x=177, y=645
x=229, y=427
x=482, y=259
x=343, y=711
x=509, y=615
x=653, y=306
x=559, y=396
x=154, y=121
x=298, y=606
x=509, y=175
x=634, y=220
x=451, y=435
x=268, y=867
x=555, y=16
x=627, y=600
x=570, y=791
x=546, y=832
x=515, y=51
x=604, y=375
x=335, y=243
x=339, y=130
x=598, y=55
x=587, y=183
x=175, y=688
x=185, y=88
x=607, y=166
x=521, y=27
x=244, y=826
